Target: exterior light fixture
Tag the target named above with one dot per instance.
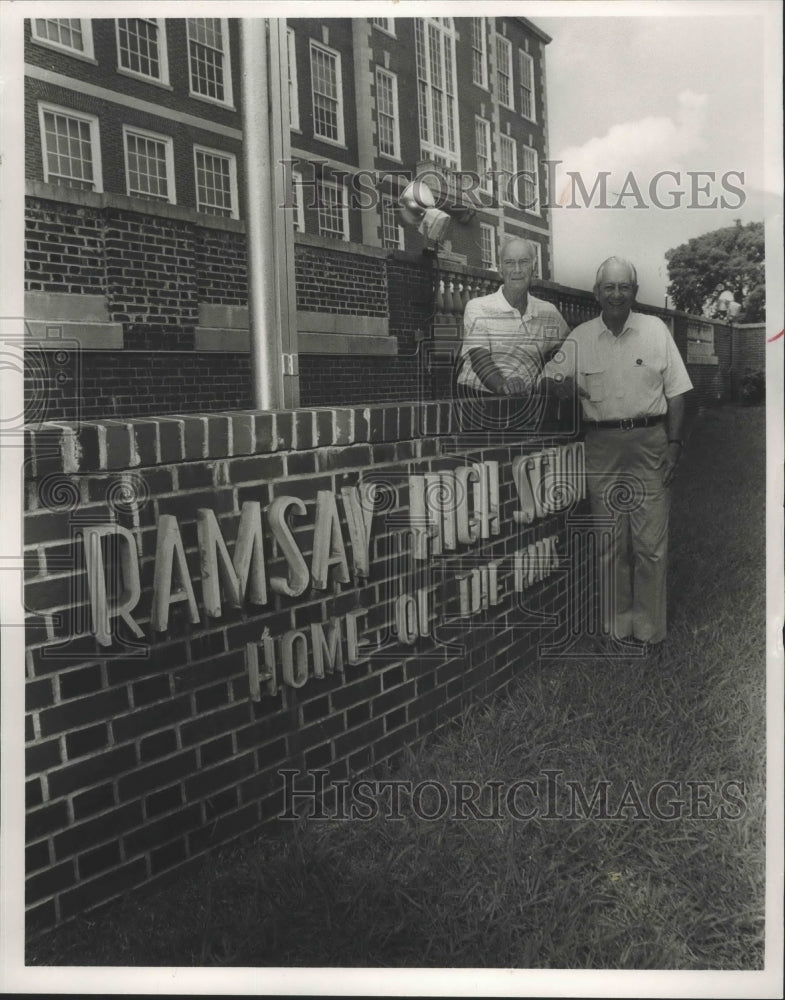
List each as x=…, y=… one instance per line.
x=418, y=208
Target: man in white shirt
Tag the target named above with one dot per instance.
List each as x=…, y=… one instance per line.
x=508, y=335
x=631, y=381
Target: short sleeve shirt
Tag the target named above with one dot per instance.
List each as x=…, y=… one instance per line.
x=632, y=375
x=517, y=342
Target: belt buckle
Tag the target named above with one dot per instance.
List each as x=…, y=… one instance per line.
x=627, y=423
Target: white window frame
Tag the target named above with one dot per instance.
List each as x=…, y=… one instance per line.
x=163, y=58
x=393, y=78
x=532, y=166
x=398, y=243
x=228, y=99
x=291, y=64
x=168, y=159
x=479, y=25
x=439, y=153
x=490, y=232
x=298, y=209
x=388, y=27
x=482, y=124
x=95, y=143
x=314, y=44
x=85, y=26
x=344, y=200
x=232, y=161
x=527, y=85
x=537, y=272
x=501, y=44
x=509, y=142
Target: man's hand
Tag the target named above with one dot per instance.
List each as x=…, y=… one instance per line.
x=672, y=456
x=515, y=386
x=564, y=387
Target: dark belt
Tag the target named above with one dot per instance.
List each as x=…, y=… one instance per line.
x=625, y=424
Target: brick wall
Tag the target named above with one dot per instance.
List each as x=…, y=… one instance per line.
x=150, y=268
x=151, y=280
x=64, y=248
x=154, y=272
x=337, y=282
x=711, y=383
x=749, y=347
x=149, y=751
x=222, y=268
x=95, y=384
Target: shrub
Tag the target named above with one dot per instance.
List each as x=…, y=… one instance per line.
x=753, y=388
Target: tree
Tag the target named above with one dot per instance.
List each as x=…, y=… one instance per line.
x=733, y=256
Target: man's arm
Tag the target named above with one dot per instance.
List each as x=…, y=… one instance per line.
x=488, y=372
x=675, y=424
x=477, y=355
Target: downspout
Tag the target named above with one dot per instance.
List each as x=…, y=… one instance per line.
x=265, y=346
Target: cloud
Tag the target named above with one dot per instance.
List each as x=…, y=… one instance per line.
x=643, y=147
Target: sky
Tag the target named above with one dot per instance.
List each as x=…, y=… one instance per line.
x=645, y=94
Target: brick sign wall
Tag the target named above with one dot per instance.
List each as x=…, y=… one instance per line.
x=159, y=714
x=154, y=274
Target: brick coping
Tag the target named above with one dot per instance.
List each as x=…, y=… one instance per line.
x=114, y=444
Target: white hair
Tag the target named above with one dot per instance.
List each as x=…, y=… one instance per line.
x=617, y=260
x=508, y=238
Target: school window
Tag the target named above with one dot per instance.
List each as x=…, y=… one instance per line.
x=530, y=191
x=332, y=210
x=527, y=85
x=537, y=270
x=482, y=135
x=488, y=246
x=291, y=69
x=298, y=215
x=387, y=112
x=436, y=90
x=74, y=35
x=385, y=24
x=70, y=146
x=208, y=59
x=149, y=164
x=504, y=71
x=479, y=52
x=508, y=164
x=216, y=182
x=326, y=93
x=141, y=48
x=392, y=230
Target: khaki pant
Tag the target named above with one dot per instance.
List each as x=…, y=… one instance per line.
x=624, y=478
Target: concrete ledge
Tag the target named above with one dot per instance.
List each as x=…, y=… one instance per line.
x=339, y=246
x=337, y=343
x=238, y=340
x=343, y=323
x=66, y=307
x=141, y=206
x=51, y=317
x=236, y=318
x=211, y=338
x=700, y=348
x=49, y=334
x=228, y=317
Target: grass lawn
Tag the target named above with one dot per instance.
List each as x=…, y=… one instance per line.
x=630, y=891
